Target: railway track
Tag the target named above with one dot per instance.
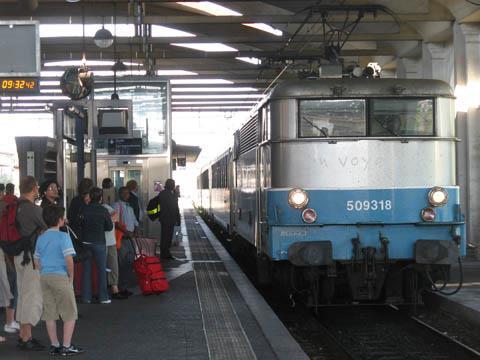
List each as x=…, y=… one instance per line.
x=359, y=332
x=383, y=332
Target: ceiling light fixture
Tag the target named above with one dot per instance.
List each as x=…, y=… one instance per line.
x=103, y=38
x=89, y=63
x=214, y=89
x=222, y=96
x=210, y=8
x=250, y=60
x=199, y=81
x=264, y=27
x=207, y=47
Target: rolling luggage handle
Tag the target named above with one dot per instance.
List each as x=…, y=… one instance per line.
x=142, y=249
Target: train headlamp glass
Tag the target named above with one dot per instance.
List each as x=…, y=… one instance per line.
x=428, y=214
x=297, y=198
x=437, y=196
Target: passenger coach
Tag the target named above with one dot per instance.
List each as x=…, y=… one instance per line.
x=352, y=181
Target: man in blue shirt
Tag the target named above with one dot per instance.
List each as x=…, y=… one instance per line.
x=54, y=258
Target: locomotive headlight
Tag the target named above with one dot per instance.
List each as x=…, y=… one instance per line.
x=428, y=214
x=309, y=216
x=437, y=196
x=298, y=198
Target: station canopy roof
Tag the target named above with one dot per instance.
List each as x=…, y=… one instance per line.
x=225, y=54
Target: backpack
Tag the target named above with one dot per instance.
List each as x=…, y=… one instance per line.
x=11, y=242
x=153, y=208
x=8, y=223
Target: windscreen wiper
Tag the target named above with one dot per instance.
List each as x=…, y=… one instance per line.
x=322, y=130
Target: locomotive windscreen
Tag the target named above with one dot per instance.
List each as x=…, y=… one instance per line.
x=401, y=117
x=325, y=118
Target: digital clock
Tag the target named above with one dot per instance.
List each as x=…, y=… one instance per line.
x=19, y=85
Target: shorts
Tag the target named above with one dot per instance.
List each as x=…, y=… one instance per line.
x=58, y=298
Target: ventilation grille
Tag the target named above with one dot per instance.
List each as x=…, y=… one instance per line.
x=249, y=136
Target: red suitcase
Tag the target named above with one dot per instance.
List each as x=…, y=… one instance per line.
x=153, y=283
x=144, y=265
x=150, y=274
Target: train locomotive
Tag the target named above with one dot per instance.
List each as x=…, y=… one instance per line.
x=344, y=186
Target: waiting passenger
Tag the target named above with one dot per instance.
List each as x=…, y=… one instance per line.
x=29, y=305
x=169, y=217
x=78, y=204
x=8, y=198
x=108, y=191
x=11, y=326
x=112, y=255
x=54, y=259
x=5, y=293
x=128, y=227
x=49, y=192
x=95, y=222
x=134, y=199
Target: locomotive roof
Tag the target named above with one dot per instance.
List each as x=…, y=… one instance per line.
x=361, y=88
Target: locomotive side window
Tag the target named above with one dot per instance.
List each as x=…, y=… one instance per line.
x=332, y=118
x=401, y=117
x=265, y=123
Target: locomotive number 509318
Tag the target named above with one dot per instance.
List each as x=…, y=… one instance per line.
x=369, y=205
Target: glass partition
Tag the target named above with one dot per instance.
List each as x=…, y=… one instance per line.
x=150, y=114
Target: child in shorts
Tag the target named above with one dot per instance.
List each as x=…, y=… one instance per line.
x=54, y=258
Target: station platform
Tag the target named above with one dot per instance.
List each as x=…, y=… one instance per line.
x=464, y=305
x=211, y=311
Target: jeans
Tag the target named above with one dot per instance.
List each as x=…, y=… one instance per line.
x=99, y=252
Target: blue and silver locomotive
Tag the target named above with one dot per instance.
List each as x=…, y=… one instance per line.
x=351, y=181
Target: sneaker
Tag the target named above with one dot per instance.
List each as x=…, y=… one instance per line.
x=55, y=350
x=108, y=301
x=71, y=350
x=11, y=328
x=30, y=345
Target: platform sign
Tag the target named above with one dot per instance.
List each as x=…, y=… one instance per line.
x=125, y=146
x=20, y=51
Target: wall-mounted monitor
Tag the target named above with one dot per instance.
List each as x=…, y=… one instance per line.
x=111, y=119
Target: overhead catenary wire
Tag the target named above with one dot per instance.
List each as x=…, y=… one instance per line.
x=289, y=41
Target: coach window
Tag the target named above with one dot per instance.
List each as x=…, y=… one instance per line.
x=332, y=118
x=401, y=117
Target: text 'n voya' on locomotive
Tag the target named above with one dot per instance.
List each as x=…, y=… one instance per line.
x=345, y=188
